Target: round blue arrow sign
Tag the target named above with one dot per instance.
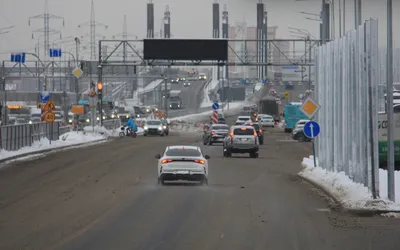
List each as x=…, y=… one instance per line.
x=215, y=106
x=311, y=129
x=44, y=96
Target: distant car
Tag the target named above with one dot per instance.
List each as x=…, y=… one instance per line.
x=186, y=84
x=186, y=163
x=298, y=135
x=267, y=121
x=221, y=121
x=154, y=127
x=216, y=133
x=181, y=79
x=241, y=140
x=243, y=119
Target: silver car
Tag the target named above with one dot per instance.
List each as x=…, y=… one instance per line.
x=241, y=140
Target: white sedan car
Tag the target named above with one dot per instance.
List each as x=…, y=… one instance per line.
x=267, y=121
x=185, y=163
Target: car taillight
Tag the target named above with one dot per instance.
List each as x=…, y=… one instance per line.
x=200, y=161
x=255, y=138
x=260, y=130
x=166, y=161
x=213, y=133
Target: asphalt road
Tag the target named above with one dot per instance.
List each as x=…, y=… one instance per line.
x=106, y=197
x=190, y=98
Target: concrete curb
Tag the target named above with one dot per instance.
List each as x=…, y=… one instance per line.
x=16, y=157
x=356, y=211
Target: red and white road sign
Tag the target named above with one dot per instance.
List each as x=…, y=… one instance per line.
x=215, y=117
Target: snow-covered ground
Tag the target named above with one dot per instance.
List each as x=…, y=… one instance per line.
x=68, y=139
x=352, y=195
x=150, y=86
x=258, y=86
x=211, y=86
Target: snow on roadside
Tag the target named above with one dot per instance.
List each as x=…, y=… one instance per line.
x=68, y=139
x=206, y=98
x=352, y=195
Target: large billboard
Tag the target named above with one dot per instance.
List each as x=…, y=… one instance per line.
x=186, y=49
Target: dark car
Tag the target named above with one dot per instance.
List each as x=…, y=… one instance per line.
x=215, y=133
x=260, y=133
x=299, y=135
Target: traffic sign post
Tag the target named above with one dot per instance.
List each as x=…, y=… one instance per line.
x=49, y=117
x=215, y=106
x=286, y=95
x=44, y=96
x=311, y=129
x=310, y=107
x=77, y=72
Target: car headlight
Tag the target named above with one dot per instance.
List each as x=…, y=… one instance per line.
x=170, y=106
x=179, y=105
x=98, y=118
x=104, y=117
x=113, y=116
x=87, y=120
x=159, y=128
x=145, y=128
x=147, y=110
x=30, y=122
x=164, y=127
x=70, y=120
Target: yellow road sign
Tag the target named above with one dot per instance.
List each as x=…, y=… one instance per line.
x=286, y=94
x=77, y=72
x=49, y=106
x=49, y=117
x=310, y=107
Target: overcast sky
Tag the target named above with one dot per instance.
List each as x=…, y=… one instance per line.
x=189, y=18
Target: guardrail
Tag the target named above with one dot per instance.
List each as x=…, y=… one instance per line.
x=14, y=137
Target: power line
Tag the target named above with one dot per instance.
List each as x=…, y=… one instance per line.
x=93, y=24
x=46, y=16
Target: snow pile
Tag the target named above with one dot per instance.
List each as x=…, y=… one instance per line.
x=211, y=86
x=351, y=195
x=149, y=87
x=67, y=139
x=179, y=126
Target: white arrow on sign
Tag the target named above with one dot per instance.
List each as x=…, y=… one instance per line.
x=312, y=130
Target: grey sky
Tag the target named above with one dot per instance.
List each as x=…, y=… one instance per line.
x=189, y=18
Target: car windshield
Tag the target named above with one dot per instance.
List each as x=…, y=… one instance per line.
x=244, y=118
x=154, y=123
x=219, y=127
x=183, y=152
x=243, y=131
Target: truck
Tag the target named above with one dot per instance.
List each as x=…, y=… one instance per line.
x=175, y=100
x=292, y=115
x=269, y=106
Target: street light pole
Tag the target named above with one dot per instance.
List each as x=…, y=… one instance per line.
x=390, y=127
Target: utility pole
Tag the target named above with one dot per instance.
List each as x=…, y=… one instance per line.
x=93, y=24
x=46, y=16
x=389, y=108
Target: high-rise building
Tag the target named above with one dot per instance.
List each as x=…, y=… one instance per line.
x=240, y=50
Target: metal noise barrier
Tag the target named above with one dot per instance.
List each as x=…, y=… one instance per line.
x=14, y=137
x=346, y=88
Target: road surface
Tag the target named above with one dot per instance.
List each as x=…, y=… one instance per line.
x=190, y=98
x=106, y=197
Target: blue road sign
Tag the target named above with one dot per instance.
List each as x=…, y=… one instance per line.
x=244, y=81
x=55, y=53
x=311, y=129
x=290, y=67
x=265, y=81
x=215, y=106
x=18, y=57
x=44, y=96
